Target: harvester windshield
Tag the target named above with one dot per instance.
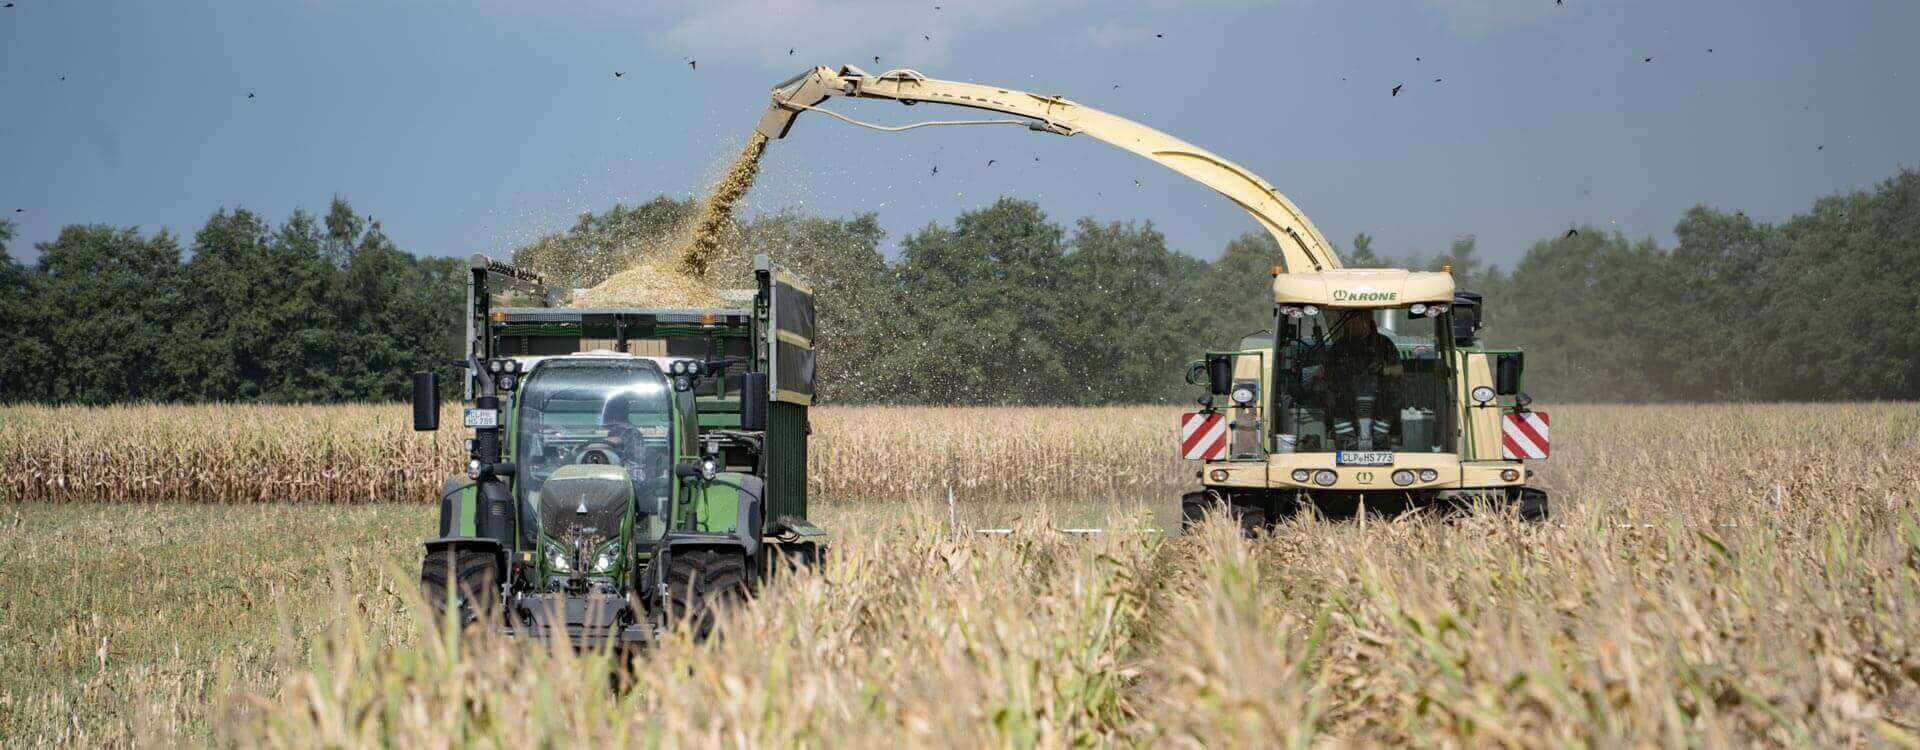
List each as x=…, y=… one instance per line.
x=1360, y=380
x=596, y=411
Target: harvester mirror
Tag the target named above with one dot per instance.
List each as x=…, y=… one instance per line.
x=426, y=402
x=753, y=401
x=1506, y=374
x=1220, y=374
x=1466, y=318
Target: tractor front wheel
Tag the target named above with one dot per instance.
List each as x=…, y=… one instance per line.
x=473, y=579
x=700, y=582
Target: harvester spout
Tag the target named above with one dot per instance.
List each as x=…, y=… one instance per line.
x=1301, y=244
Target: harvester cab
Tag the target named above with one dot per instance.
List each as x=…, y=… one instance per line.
x=629, y=466
x=1371, y=391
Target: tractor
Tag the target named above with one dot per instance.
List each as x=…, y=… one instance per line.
x=630, y=468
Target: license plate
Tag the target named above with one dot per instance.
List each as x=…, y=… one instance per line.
x=1363, y=458
x=483, y=417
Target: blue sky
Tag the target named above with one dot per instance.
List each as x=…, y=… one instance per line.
x=476, y=126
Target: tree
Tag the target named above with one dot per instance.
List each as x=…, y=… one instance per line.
x=1126, y=333
x=982, y=303
x=116, y=295
x=1363, y=256
x=24, y=369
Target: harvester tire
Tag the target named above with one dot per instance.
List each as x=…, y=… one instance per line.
x=476, y=586
x=699, y=583
x=1533, y=506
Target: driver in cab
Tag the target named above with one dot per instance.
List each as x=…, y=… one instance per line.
x=644, y=466
x=1361, y=362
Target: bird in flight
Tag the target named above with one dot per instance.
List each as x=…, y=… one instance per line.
x=789, y=52
x=1396, y=88
x=1572, y=233
x=936, y=169
x=695, y=64
x=1159, y=36
x=1436, y=80
x=249, y=95
x=619, y=74
x=928, y=38
x=876, y=59
x=990, y=162
x=1647, y=60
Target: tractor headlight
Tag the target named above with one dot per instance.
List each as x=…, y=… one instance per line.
x=1403, y=477
x=607, y=559
x=557, y=559
x=1302, y=475
x=1325, y=477
x=473, y=469
x=677, y=367
x=1428, y=475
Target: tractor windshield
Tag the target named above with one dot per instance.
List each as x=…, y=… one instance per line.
x=595, y=411
x=1360, y=380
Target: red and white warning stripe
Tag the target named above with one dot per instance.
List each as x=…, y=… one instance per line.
x=1203, y=435
x=1524, y=435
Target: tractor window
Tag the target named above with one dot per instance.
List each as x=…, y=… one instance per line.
x=595, y=411
x=1360, y=380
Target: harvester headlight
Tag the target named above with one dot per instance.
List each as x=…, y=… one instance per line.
x=1510, y=475
x=1417, y=309
x=1218, y=475
x=1310, y=310
x=1482, y=394
x=1291, y=312
x=1325, y=477
x=1428, y=475
x=609, y=557
x=1302, y=475
x=557, y=559
x=1435, y=310
x=1403, y=477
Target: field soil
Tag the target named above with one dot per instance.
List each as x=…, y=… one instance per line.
x=1714, y=575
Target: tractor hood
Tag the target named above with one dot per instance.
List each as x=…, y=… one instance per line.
x=1362, y=287
x=585, y=504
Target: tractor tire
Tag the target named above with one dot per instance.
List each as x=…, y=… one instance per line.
x=699, y=583
x=476, y=585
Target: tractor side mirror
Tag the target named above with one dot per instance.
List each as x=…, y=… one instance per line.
x=426, y=402
x=1220, y=374
x=1506, y=374
x=753, y=401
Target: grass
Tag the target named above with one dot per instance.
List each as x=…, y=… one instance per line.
x=1715, y=576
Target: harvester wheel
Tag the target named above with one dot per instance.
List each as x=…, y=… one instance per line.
x=1532, y=505
x=477, y=584
x=699, y=582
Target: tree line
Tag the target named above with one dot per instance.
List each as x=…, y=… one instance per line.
x=1001, y=306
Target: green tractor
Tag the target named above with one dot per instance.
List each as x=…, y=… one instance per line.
x=629, y=467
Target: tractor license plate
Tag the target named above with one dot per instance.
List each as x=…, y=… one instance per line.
x=483, y=417
x=1363, y=458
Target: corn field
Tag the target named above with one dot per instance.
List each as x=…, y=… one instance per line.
x=369, y=454
x=1714, y=576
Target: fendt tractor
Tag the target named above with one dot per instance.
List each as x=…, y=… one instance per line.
x=1372, y=390
x=629, y=467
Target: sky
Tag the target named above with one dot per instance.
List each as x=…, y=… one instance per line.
x=476, y=126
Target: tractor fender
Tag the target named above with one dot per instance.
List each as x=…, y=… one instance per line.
x=474, y=544
x=749, y=514
x=456, y=494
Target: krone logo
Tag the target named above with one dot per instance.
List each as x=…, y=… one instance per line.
x=1342, y=295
